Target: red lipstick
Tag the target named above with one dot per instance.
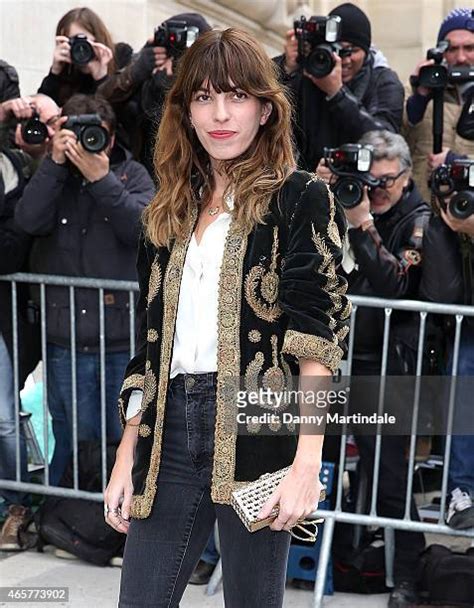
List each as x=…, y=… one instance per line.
x=221, y=134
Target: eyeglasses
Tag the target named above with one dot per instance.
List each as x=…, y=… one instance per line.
x=387, y=181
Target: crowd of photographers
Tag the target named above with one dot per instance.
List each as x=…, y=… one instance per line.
x=76, y=169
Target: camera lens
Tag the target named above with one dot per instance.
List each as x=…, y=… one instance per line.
x=34, y=131
x=81, y=51
x=320, y=62
x=461, y=205
x=348, y=191
x=94, y=138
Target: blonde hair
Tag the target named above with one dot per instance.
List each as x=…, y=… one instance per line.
x=226, y=60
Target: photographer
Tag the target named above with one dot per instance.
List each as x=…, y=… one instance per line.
x=9, y=89
x=457, y=30
x=32, y=120
x=14, y=248
x=384, y=260
x=448, y=273
x=137, y=92
x=360, y=94
x=84, y=209
x=83, y=56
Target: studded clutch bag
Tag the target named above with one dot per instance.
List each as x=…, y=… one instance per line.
x=249, y=499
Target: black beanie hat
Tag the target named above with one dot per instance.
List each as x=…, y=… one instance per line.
x=192, y=19
x=355, y=26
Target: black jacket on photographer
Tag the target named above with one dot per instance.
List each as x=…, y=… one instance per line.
x=388, y=258
x=373, y=99
x=70, y=81
x=448, y=269
x=15, y=170
x=86, y=230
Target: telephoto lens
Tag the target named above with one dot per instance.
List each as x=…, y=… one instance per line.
x=348, y=191
x=89, y=131
x=94, y=138
x=33, y=131
x=82, y=51
x=461, y=206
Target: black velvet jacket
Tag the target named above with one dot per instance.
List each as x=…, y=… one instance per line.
x=280, y=299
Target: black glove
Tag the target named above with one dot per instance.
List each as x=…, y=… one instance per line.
x=143, y=65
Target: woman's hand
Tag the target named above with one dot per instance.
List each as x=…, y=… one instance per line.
x=297, y=496
x=61, y=55
x=98, y=67
x=291, y=52
x=118, y=494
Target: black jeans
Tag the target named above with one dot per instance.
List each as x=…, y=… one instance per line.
x=162, y=551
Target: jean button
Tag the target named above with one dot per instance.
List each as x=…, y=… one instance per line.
x=190, y=382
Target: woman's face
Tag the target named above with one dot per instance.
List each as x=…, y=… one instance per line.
x=226, y=123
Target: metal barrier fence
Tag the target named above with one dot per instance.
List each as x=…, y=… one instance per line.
x=331, y=517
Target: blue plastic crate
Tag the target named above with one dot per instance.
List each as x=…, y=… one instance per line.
x=327, y=476
x=303, y=563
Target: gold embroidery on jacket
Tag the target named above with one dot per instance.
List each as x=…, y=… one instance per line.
x=317, y=348
x=152, y=335
x=149, y=387
x=133, y=381
x=255, y=336
x=258, y=280
x=346, y=313
x=253, y=427
x=228, y=364
x=333, y=231
x=154, y=283
x=252, y=372
x=144, y=430
x=274, y=378
x=342, y=333
x=275, y=425
x=142, y=503
x=121, y=406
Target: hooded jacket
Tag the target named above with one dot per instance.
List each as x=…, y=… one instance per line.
x=373, y=99
x=86, y=229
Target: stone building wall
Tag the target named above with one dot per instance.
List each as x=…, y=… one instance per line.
x=402, y=29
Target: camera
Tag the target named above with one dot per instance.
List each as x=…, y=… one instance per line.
x=318, y=38
x=33, y=131
x=175, y=36
x=434, y=76
x=458, y=178
x=82, y=51
x=89, y=131
x=351, y=163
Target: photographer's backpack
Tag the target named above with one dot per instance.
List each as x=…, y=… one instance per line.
x=446, y=578
x=77, y=525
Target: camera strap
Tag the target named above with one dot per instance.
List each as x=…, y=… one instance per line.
x=466, y=253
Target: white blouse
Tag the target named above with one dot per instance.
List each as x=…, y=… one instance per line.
x=195, y=338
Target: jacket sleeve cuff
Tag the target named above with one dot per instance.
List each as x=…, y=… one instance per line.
x=316, y=348
x=60, y=171
x=103, y=184
x=131, y=383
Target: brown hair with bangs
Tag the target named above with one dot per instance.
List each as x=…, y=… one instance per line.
x=226, y=59
x=90, y=21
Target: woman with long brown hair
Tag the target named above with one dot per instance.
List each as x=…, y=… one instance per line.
x=83, y=56
x=237, y=273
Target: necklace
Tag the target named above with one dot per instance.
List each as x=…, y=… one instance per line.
x=213, y=210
